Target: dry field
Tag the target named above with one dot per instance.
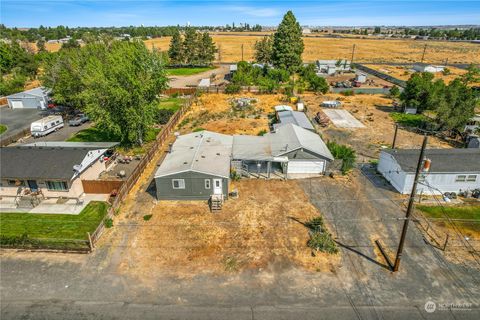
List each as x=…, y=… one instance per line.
x=373, y=111
x=367, y=50
x=255, y=230
x=214, y=112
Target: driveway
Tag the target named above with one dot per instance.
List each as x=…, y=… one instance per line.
x=17, y=120
x=56, y=286
x=193, y=80
x=60, y=135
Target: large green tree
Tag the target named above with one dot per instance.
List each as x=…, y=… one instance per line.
x=418, y=92
x=175, y=52
x=263, y=50
x=288, y=44
x=116, y=84
x=191, y=46
x=207, y=49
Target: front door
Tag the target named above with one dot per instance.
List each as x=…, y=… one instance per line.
x=217, y=186
x=32, y=184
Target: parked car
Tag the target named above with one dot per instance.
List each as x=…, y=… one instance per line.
x=78, y=120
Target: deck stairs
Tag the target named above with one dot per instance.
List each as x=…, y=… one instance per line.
x=216, y=202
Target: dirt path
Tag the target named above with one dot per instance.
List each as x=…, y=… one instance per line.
x=193, y=80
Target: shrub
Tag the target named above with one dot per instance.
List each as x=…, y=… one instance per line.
x=108, y=223
x=343, y=152
x=446, y=72
x=198, y=129
x=262, y=132
x=234, y=175
x=409, y=120
x=147, y=217
x=347, y=93
x=232, y=88
x=394, y=92
x=163, y=115
x=322, y=241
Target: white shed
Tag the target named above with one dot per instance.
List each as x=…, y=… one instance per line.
x=204, y=83
x=36, y=98
x=424, y=67
x=451, y=170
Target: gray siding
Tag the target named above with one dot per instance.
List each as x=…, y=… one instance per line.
x=302, y=154
x=194, y=186
x=28, y=102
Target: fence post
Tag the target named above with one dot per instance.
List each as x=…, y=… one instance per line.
x=90, y=243
x=446, y=242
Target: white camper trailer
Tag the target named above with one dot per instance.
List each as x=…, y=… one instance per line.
x=46, y=125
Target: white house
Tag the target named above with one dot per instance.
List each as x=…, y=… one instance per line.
x=36, y=98
x=451, y=170
x=424, y=67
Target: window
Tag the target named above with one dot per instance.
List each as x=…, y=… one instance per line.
x=57, y=185
x=472, y=178
x=207, y=183
x=460, y=178
x=15, y=183
x=178, y=183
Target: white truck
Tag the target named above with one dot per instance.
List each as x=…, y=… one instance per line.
x=46, y=125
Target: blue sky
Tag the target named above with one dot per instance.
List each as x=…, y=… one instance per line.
x=20, y=13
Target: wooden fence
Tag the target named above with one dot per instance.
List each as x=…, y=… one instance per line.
x=101, y=186
x=185, y=91
x=137, y=172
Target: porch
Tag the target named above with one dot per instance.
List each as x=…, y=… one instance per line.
x=261, y=169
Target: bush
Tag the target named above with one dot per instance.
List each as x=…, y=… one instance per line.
x=394, y=92
x=409, y=120
x=320, y=238
x=163, y=115
x=262, y=132
x=108, y=223
x=347, y=93
x=234, y=175
x=446, y=72
x=147, y=217
x=343, y=152
x=232, y=88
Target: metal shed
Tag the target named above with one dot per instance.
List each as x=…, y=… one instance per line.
x=36, y=98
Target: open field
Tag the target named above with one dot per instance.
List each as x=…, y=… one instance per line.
x=456, y=214
x=367, y=50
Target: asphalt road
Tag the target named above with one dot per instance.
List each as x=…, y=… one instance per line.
x=56, y=286
x=17, y=120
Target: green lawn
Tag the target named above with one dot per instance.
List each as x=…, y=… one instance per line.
x=187, y=71
x=93, y=134
x=171, y=103
x=53, y=226
x=3, y=128
x=408, y=120
x=464, y=212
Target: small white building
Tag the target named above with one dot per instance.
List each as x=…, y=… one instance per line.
x=361, y=77
x=36, y=98
x=330, y=67
x=204, y=83
x=451, y=170
x=424, y=67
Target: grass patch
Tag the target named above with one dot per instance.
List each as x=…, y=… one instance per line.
x=320, y=238
x=3, y=128
x=345, y=153
x=187, y=71
x=461, y=212
x=171, y=103
x=52, y=226
x=93, y=134
x=408, y=120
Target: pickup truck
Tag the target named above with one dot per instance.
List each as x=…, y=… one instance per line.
x=78, y=120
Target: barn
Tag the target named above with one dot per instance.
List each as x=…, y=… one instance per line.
x=30, y=99
x=451, y=170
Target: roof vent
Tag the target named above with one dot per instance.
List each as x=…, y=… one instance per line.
x=185, y=162
x=203, y=157
x=218, y=154
x=77, y=167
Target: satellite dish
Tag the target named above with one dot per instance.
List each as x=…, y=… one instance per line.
x=77, y=167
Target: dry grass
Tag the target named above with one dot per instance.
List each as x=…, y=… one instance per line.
x=184, y=238
x=367, y=50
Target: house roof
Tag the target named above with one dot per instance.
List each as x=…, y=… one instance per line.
x=285, y=139
x=28, y=162
x=63, y=144
x=37, y=92
x=443, y=160
x=204, y=152
x=294, y=117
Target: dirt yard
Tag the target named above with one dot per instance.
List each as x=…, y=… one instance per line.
x=215, y=112
x=373, y=111
x=253, y=231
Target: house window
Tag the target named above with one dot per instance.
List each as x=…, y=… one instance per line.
x=57, y=185
x=207, y=183
x=178, y=183
x=461, y=178
x=471, y=178
x=16, y=183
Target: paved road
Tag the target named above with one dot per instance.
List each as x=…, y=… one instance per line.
x=54, y=286
x=17, y=120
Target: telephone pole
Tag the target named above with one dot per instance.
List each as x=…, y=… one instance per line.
x=410, y=205
x=353, y=53
x=423, y=54
x=242, y=52
x=395, y=136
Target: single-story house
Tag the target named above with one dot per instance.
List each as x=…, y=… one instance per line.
x=451, y=170
x=55, y=171
x=198, y=165
x=425, y=67
x=36, y=98
x=295, y=117
x=331, y=67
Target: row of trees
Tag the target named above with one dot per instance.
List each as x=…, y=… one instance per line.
x=453, y=104
x=116, y=83
x=193, y=49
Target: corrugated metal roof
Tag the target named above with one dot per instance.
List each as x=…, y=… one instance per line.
x=295, y=117
x=37, y=92
x=204, y=151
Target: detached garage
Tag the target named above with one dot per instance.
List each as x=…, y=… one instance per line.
x=30, y=99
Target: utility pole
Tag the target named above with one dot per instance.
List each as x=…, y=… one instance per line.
x=423, y=54
x=395, y=136
x=242, y=52
x=353, y=53
x=410, y=205
x=219, y=53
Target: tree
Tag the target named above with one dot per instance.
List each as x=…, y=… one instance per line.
x=116, y=84
x=418, y=92
x=315, y=83
x=71, y=44
x=191, y=46
x=394, y=92
x=207, y=50
x=175, y=52
x=263, y=50
x=288, y=44
x=472, y=75
x=41, y=45
x=377, y=30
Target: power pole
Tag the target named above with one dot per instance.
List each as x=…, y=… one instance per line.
x=219, y=53
x=242, y=52
x=410, y=205
x=353, y=53
x=423, y=54
x=395, y=136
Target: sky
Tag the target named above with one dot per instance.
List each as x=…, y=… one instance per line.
x=72, y=13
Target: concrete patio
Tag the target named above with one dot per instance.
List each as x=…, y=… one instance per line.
x=53, y=205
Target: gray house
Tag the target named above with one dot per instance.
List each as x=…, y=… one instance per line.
x=30, y=99
x=197, y=166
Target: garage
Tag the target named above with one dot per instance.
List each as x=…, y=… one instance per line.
x=17, y=104
x=36, y=98
x=306, y=166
